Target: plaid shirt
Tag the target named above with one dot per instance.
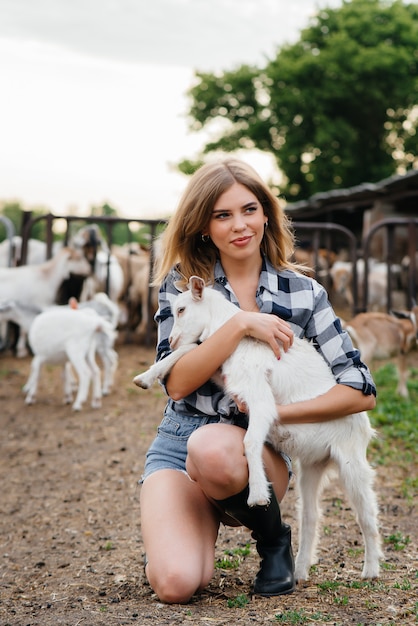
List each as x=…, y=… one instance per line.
x=299, y=300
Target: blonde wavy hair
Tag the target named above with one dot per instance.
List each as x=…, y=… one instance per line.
x=182, y=242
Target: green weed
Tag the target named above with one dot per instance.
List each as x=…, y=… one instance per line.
x=398, y=541
x=239, y=602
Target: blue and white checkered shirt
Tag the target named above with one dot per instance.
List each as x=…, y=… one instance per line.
x=299, y=300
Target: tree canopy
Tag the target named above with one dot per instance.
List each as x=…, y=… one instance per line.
x=337, y=108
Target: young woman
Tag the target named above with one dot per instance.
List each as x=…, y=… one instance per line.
x=230, y=229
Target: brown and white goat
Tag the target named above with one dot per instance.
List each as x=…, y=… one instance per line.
x=381, y=336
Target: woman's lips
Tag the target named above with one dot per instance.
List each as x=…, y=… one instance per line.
x=241, y=241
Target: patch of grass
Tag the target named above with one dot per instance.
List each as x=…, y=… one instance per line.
x=292, y=617
x=341, y=601
x=233, y=558
x=398, y=541
x=410, y=488
x=239, y=602
x=300, y=616
x=227, y=563
x=405, y=585
x=329, y=585
x=394, y=418
x=245, y=551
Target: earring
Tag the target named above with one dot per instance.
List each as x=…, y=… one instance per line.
x=205, y=238
x=266, y=223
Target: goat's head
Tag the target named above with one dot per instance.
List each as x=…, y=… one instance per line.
x=89, y=239
x=191, y=315
x=75, y=261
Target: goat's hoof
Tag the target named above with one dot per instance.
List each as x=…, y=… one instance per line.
x=370, y=573
x=141, y=382
x=258, y=502
x=76, y=407
x=96, y=404
x=301, y=576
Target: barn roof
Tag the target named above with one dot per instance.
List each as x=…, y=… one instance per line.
x=394, y=190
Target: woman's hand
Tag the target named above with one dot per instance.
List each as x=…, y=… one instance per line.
x=268, y=328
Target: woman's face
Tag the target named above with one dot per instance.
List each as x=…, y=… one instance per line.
x=237, y=224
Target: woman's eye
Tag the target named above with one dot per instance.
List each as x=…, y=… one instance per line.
x=221, y=216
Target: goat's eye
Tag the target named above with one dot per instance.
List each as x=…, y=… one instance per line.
x=180, y=310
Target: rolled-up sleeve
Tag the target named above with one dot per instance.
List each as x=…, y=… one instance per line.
x=335, y=345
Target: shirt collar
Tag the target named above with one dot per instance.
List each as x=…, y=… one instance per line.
x=267, y=270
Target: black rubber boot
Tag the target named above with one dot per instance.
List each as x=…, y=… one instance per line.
x=276, y=575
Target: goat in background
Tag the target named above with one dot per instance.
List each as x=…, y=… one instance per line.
x=381, y=336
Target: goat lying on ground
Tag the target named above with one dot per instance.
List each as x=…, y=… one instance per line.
x=383, y=336
x=61, y=335
x=254, y=375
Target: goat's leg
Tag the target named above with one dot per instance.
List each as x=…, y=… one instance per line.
x=310, y=478
x=402, y=368
x=160, y=369
x=69, y=383
x=21, y=346
x=84, y=376
x=32, y=384
x=96, y=401
x=356, y=477
x=262, y=413
x=109, y=359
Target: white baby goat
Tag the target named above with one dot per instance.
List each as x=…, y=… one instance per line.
x=61, y=335
x=255, y=376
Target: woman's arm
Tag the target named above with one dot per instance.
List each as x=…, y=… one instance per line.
x=339, y=401
x=197, y=366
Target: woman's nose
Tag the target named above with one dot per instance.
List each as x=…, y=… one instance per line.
x=238, y=223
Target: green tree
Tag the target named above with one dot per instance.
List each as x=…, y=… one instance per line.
x=337, y=108
x=15, y=212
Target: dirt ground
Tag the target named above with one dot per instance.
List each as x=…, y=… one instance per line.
x=71, y=549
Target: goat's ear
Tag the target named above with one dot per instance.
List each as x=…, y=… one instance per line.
x=196, y=286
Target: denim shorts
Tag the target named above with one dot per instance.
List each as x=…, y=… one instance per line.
x=169, y=448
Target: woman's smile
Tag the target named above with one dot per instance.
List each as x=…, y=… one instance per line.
x=242, y=241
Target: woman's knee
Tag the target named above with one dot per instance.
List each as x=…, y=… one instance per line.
x=176, y=584
x=217, y=451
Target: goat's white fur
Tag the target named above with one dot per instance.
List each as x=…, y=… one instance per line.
x=37, y=285
x=24, y=315
x=255, y=376
x=61, y=335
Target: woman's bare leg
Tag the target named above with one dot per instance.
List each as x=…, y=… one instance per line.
x=179, y=529
x=217, y=462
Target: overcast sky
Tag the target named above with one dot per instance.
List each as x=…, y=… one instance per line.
x=93, y=105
